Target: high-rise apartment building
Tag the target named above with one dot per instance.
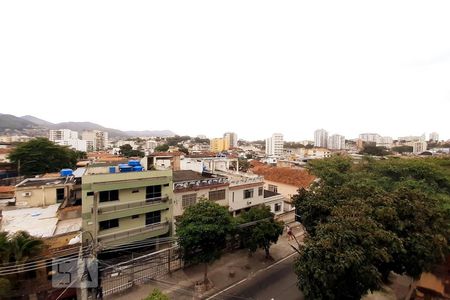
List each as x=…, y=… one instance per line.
x=62, y=135
x=369, y=137
x=434, y=136
x=230, y=140
x=336, y=142
x=99, y=139
x=275, y=144
x=321, y=138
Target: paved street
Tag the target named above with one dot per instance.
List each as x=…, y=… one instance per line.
x=277, y=282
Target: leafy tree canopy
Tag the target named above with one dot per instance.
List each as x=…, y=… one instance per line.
x=398, y=209
x=202, y=232
x=162, y=148
x=402, y=149
x=127, y=151
x=262, y=234
x=42, y=156
x=371, y=149
x=157, y=295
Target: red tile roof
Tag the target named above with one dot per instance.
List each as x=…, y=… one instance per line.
x=297, y=177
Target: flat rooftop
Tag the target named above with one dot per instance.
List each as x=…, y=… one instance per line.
x=38, y=221
x=186, y=175
x=30, y=182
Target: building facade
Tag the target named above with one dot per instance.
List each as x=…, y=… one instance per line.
x=434, y=136
x=275, y=144
x=230, y=140
x=336, y=142
x=99, y=139
x=419, y=147
x=120, y=208
x=321, y=138
x=62, y=135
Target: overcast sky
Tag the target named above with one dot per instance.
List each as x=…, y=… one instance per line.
x=252, y=67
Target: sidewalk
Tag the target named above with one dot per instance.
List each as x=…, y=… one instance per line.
x=180, y=284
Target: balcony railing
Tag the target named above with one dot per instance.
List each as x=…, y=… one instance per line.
x=199, y=183
x=246, y=180
x=108, y=208
x=107, y=237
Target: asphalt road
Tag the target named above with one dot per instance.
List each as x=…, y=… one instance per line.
x=277, y=283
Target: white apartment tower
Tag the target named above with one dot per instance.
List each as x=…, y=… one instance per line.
x=321, y=138
x=274, y=144
x=419, y=146
x=98, y=138
x=62, y=135
x=434, y=136
x=336, y=142
x=230, y=140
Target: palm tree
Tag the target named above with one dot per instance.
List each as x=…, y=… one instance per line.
x=5, y=249
x=24, y=246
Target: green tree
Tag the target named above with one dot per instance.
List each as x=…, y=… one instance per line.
x=374, y=150
x=183, y=149
x=156, y=295
x=79, y=155
x=244, y=164
x=127, y=151
x=402, y=207
x=42, y=156
x=23, y=246
x=162, y=148
x=262, y=234
x=402, y=149
x=202, y=232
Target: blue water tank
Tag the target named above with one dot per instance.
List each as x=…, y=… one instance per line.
x=134, y=163
x=138, y=168
x=66, y=172
x=125, y=168
x=112, y=169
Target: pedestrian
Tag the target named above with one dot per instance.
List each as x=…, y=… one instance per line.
x=289, y=233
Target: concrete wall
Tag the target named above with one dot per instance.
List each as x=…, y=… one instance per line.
x=40, y=196
x=201, y=193
x=237, y=201
x=286, y=190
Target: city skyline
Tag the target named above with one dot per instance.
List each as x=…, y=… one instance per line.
x=253, y=68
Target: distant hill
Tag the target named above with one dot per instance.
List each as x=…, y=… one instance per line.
x=146, y=133
x=15, y=123
x=30, y=122
x=37, y=121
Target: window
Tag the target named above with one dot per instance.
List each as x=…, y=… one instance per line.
x=135, y=191
x=153, y=191
x=260, y=191
x=90, y=193
x=277, y=207
x=106, y=196
x=109, y=224
x=217, y=195
x=59, y=195
x=248, y=193
x=135, y=216
x=153, y=217
x=188, y=200
x=273, y=188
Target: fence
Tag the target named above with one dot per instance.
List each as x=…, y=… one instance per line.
x=125, y=275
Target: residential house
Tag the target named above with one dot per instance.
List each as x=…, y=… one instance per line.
x=122, y=207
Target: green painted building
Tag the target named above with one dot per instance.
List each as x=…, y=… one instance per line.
x=120, y=208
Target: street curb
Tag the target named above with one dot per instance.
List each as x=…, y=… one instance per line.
x=248, y=276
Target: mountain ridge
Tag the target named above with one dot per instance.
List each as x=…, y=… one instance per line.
x=10, y=122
